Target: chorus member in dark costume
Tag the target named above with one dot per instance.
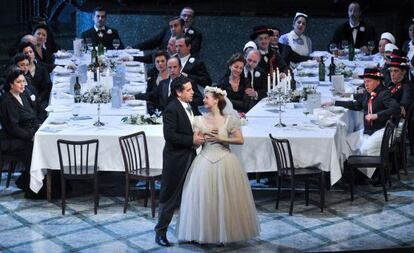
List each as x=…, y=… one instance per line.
x=43, y=54
x=400, y=86
x=187, y=14
x=19, y=125
x=100, y=32
x=39, y=77
x=355, y=31
x=235, y=84
x=178, y=153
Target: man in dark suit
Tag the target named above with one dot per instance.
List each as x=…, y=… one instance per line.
x=187, y=14
x=256, y=78
x=270, y=59
x=178, y=153
x=160, y=96
x=100, y=33
x=355, y=31
x=192, y=68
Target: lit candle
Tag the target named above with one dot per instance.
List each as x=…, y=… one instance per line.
x=289, y=79
x=274, y=79
x=97, y=75
x=277, y=76
x=268, y=83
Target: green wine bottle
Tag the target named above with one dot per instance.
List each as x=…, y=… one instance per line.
x=321, y=70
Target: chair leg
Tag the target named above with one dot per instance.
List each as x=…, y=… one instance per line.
x=152, y=190
x=382, y=175
x=146, y=193
x=63, y=193
x=322, y=190
x=126, y=194
x=351, y=183
x=292, y=196
x=95, y=194
x=10, y=171
x=404, y=158
x=307, y=192
x=279, y=183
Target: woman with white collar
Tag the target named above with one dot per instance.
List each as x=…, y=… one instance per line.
x=296, y=39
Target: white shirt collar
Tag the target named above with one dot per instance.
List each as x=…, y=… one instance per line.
x=97, y=29
x=184, y=60
x=294, y=35
x=352, y=26
x=189, y=115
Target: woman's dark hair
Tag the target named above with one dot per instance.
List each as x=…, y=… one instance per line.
x=40, y=26
x=161, y=53
x=235, y=58
x=12, y=74
x=23, y=45
x=19, y=57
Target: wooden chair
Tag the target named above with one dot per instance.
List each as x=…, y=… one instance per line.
x=287, y=170
x=398, y=148
x=80, y=163
x=381, y=162
x=9, y=159
x=136, y=162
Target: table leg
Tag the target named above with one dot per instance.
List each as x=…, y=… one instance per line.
x=49, y=185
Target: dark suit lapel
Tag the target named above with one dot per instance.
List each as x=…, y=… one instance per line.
x=183, y=115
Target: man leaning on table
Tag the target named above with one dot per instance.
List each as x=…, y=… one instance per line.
x=378, y=107
x=100, y=32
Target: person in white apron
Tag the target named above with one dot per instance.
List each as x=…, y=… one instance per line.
x=296, y=39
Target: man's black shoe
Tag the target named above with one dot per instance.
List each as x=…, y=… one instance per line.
x=162, y=240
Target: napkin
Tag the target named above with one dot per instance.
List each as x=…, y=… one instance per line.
x=58, y=108
x=62, y=70
x=63, y=62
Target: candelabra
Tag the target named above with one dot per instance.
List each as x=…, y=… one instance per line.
x=279, y=98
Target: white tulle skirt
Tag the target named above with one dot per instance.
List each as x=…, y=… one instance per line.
x=217, y=204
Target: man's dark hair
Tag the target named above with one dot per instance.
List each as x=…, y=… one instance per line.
x=99, y=8
x=187, y=40
x=276, y=28
x=178, y=84
x=182, y=22
x=178, y=59
x=40, y=26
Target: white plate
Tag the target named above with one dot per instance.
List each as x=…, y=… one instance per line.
x=134, y=103
x=335, y=109
x=131, y=51
x=356, y=82
x=132, y=63
x=57, y=122
x=309, y=64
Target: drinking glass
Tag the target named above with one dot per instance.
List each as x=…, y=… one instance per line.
x=89, y=44
x=334, y=49
x=344, y=45
x=116, y=43
x=75, y=111
x=371, y=46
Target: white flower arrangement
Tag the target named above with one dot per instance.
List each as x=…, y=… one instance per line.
x=96, y=95
x=142, y=119
x=215, y=90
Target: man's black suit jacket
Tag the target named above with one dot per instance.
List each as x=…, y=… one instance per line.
x=109, y=34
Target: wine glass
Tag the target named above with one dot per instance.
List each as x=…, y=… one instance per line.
x=371, y=46
x=75, y=112
x=344, y=45
x=89, y=44
x=116, y=43
x=334, y=49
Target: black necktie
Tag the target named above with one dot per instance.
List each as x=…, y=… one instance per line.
x=249, y=77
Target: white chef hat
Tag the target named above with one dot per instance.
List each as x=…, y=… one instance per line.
x=388, y=36
x=249, y=44
x=300, y=14
x=390, y=47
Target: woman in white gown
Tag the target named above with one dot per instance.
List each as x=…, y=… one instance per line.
x=217, y=204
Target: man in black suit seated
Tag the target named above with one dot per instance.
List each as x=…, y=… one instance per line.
x=256, y=77
x=160, y=96
x=355, y=30
x=100, y=33
x=187, y=14
x=270, y=59
x=191, y=67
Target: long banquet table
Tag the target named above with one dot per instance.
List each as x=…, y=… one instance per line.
x=312, y=144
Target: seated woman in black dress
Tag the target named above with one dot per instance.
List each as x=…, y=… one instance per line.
x=155, y=75
x=19, y=125
x=234, y=83
x=38, y=75
x=43, y=54
x=21, y=61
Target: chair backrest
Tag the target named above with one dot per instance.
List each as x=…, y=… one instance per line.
x=135, y=152
x=283, y=154
x=387, y=142
x=80, y=156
